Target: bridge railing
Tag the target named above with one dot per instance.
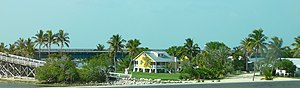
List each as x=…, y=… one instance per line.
x=24, y=60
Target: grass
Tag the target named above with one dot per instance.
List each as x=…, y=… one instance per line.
x=162, y=76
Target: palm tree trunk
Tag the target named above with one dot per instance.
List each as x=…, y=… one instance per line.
x=247, y=67
x=115, y=62
x=255, y=64
x=49, y=48
x=61, y=50
x=40, y=51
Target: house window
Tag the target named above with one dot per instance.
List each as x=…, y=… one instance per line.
x=141, y=62
x=160, y=55
x=152, y=63
x=146, y=62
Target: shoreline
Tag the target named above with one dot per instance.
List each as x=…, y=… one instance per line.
x=175, y=84
x=133, y=83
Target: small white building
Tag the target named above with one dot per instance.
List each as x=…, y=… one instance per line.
x=296, y=62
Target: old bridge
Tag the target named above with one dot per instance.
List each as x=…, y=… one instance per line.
x=12, y=66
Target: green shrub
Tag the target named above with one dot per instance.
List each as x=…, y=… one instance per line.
x=268, y=73
x=184, y=76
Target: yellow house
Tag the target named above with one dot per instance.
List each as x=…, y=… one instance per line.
x=152, y=61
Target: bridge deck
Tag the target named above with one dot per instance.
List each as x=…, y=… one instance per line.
x=21, y=60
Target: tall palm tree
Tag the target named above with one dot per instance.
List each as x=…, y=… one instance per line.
x=49, y=40
x=62, y=39
x=275, y=51
x=247, y=49
x=116, y=44
x=259, y=44
x=100, y=47
x=296, y=45
x=20, y=47
x=39, y=40
x=132, y=46
x=29, y=47
x=191, y=48
x=275, y=48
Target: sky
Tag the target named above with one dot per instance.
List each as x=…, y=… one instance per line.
x=158, y=24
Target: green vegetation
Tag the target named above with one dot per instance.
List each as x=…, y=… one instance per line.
x=286, y=65
x=162, y=76
x=60, y=69
x=212, y=62
x=116, y=45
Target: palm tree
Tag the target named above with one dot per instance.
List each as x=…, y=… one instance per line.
x=275, y=48
x=62, y=39
x=20, y=47
x=287, y=52
x=132, y=46
x=49, y=40
x=116, y=45
x=275, y=51
x=39, y=40
x=2, y=47
x=29, y=47
x=100, y=47
x=177, y=51
x=296, y=45
x=191, y=48
x=259, y=44
x=247, y=49
x=11, y=49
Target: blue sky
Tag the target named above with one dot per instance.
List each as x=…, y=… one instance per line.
x=157, y=23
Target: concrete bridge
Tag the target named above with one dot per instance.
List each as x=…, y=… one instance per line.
x=12, y=66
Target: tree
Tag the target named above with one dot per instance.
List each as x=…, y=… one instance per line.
x=58, y=70
x=11, y=49
x=116, y=44
x=239, y=59
x=287, y=52
x=100, y=47
x=216, y=58
x=29, y=48
x=132, y=46
x=296, y=45
x=2, y=47
x=62, y=39
x=275, y=50
x=259, y=44
x=39, y=40
x=191, y=48
x=177, y=51
x=20, y=47
x=247, y=49
x=96, y=69
x=50, y=39
x=287, y=65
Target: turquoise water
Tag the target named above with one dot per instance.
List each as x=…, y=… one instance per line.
x=16, y=85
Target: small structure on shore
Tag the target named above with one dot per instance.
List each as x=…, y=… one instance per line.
x=296, y=62
x=153, y=61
